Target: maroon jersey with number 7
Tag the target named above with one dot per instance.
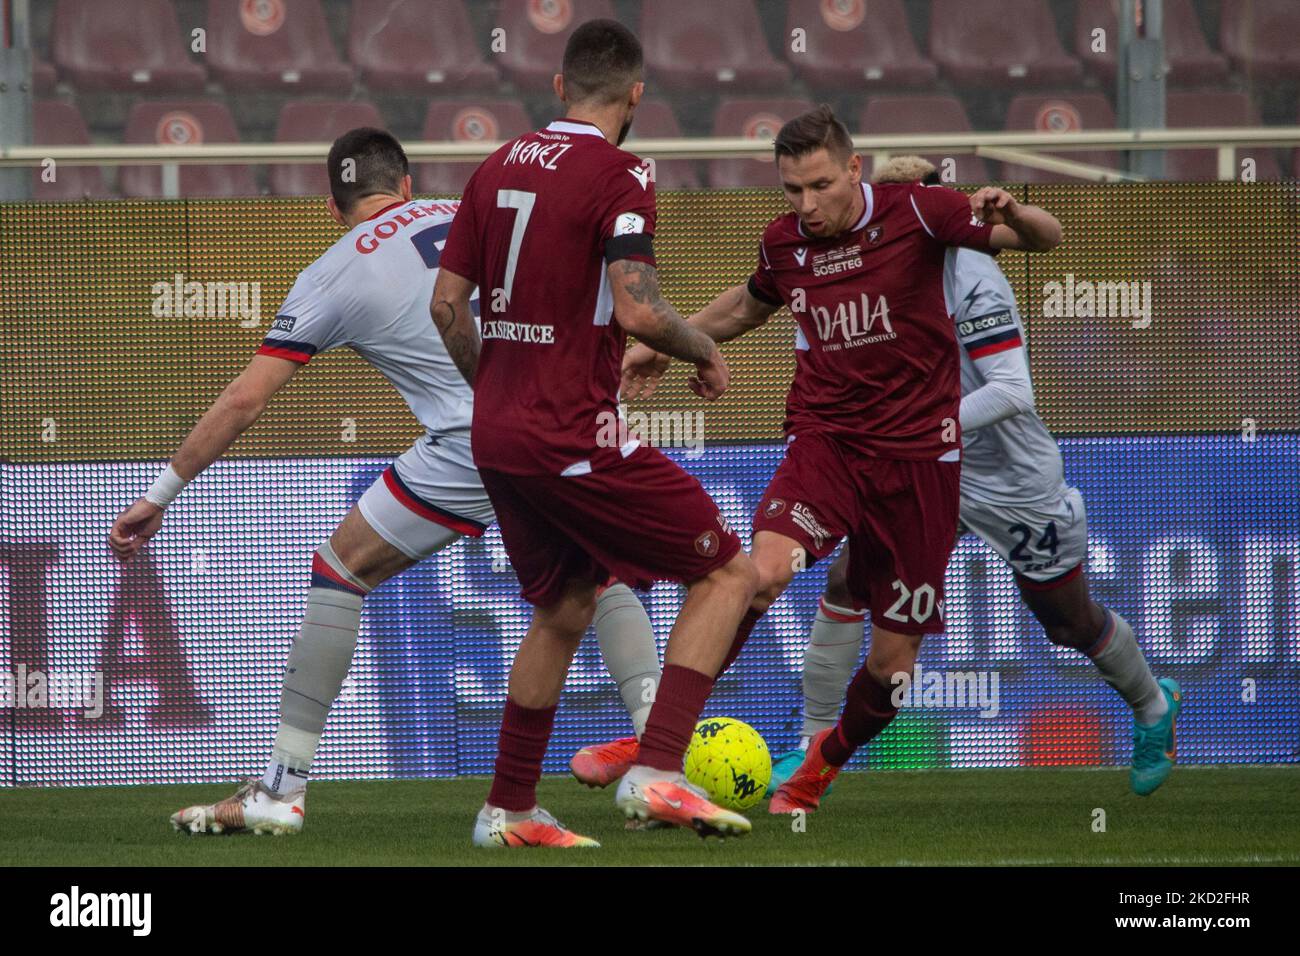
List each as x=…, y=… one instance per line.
x=538, y=223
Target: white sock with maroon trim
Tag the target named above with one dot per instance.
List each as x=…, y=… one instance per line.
x=1122, y=666
x=627, y=643
x=829, y=663
x=318, y=663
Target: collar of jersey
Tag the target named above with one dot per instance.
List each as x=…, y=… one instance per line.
x=575, y=126
x=394, y=205
x=869, y=206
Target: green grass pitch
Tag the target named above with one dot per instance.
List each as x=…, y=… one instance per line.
x=1202, y=816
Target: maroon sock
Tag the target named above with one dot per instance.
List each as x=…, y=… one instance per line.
x=742, y=635
x=677, y=707
x=867, y=711
x=525, y=732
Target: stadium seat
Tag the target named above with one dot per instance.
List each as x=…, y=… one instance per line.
x=1187, y=54
x=55, y=123
x=415, y=46
x=137, y=46
x=315, y=121
x=535, y=33
x=467, y=120
x=175, y=123
x=44, y=78
x=849, y=50
x=1009, y=43
x=924, y=114
x=1060, y=113
x=757, y=119
x=718, y=46
x=1213, y=108
x=274, y=45
x=1259, y=37
x=655, y=119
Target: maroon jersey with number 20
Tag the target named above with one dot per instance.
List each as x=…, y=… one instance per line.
x=876, y=360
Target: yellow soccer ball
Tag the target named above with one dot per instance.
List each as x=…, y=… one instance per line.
x=730, y=760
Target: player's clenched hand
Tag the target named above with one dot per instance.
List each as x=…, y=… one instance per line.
x=995, y=206
x=711, y=377
x=643, y=367
x=133, y=527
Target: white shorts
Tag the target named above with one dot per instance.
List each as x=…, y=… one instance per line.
x=1045, y=541
x=428, y=497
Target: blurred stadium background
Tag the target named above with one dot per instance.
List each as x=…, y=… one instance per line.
x=1180, y=423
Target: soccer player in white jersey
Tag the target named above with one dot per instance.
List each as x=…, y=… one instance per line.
x=369, y=291
x=1014, y=496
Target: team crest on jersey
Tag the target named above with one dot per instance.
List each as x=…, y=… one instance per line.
x=707, y=544
x=874, y=234
x=774, y=508
x=283, y=323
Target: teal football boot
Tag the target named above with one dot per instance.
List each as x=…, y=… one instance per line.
x=1153, y=744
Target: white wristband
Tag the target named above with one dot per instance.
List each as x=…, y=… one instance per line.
x=165, y=487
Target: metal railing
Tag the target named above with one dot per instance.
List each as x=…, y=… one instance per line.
x=1023, y=148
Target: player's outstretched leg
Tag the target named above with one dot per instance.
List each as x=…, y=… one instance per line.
x=655, y=788
x=344, y=570
x=868, y=709
x=253, y=809
x=511, y=817
x=1072, y=619
x=627, y=643
x=834, y=645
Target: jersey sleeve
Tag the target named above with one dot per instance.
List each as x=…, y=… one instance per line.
x=945, y=214
x=305, y=325
x=762, y=284
x=985, y=312
x=460, y=252
x=627, y=215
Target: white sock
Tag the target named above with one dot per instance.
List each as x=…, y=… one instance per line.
x=627, y=643
x=834, y=645
x=804, y=742
x=318, y=662
x=280, y=779
x=1123, y=667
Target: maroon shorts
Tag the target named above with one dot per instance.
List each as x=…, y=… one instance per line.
x=640, y=520
x=900, y=518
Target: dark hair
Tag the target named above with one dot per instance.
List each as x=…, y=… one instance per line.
x=816, y=129
x=932, y=178
x=601, y=61
x=378, y=165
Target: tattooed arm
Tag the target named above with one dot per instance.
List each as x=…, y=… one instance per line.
x=455, y=322
x=643, y=311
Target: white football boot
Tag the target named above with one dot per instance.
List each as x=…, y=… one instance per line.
x=499, y=828
x=253, y=807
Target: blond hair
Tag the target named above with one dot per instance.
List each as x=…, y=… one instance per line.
x=902, y=169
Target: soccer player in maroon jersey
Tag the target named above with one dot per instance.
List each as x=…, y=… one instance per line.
x=873, y=440
x=555, y=229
